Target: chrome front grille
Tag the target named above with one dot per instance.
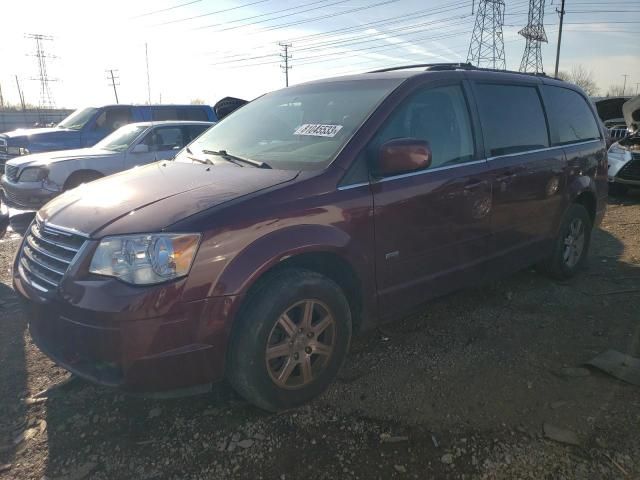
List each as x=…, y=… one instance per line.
x=11, y=171
x=618, y=133
x=47, y=253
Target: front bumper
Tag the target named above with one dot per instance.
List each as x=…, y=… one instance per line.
x=138, y=339
x=29, y=196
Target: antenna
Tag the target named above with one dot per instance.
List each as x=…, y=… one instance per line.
x=486, y=48
x=286, y=57
x=534, y=33
x=46, y=98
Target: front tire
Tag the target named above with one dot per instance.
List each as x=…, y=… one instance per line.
x=290, y=339
x=571, y=246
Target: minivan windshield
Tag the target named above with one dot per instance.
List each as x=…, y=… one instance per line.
x=121, y=139
x=297, y=128
x=78, y=119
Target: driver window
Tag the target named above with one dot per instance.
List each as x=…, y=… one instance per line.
x=438, y=115
x=164, y=138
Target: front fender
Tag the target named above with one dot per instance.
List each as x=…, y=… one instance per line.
x=267, y=251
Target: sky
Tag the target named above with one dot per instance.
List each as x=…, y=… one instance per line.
x=209, y=49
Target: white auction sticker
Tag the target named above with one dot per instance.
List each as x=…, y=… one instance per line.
x=318, y=130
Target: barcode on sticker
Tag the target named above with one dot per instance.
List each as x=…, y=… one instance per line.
x=318, y=130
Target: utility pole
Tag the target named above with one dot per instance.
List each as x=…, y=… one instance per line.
x=286, y=57
x=624, y=86
x=486, y=48
x=534, y=33
x=146, y=56
x=561, y=13
x=1, y=97
x=20, y=94
x=114, y=81
x=637, y=88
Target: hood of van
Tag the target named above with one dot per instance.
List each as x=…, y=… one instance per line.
x=150, y=198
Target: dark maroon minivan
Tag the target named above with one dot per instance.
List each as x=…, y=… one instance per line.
x=306, y=215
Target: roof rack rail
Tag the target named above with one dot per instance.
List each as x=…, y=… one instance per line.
x=434, y=67
x=429, y=66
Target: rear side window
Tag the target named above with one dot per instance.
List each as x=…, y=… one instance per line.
x=570, y=118
x=192, y=113
x=164, y=113
x=512, y=118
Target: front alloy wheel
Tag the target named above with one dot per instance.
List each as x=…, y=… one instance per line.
x=300, y=344
x=290, y=339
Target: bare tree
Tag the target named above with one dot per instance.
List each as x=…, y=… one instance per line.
x=582, y=78
x=197, y=101
x=615, y=91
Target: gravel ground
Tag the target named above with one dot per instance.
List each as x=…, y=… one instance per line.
x=462, y=390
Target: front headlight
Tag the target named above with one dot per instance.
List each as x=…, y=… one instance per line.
x=33, y=174
x=17, y=151
x=147, y=258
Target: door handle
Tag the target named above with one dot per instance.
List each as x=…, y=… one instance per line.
x=506, y=176
x=474, y=185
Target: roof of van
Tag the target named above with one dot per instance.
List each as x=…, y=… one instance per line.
x=169, y=122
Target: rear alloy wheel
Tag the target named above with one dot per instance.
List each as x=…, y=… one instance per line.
x=571, y=245
x=290, y=339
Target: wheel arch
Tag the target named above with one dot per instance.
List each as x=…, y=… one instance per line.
x=79, y=174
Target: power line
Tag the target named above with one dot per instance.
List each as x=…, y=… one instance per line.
x=299, y=22
x=210, y=13
x=166, y=9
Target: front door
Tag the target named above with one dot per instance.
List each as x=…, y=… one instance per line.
x=432, y=227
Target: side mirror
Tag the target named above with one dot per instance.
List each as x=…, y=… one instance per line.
x=140, y=148
x=402, y=155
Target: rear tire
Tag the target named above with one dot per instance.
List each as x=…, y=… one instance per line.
x=571, y=246
x=290, y=339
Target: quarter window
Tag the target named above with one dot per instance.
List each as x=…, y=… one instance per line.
x=512, y=118
x=438, y=115
x=570, y=117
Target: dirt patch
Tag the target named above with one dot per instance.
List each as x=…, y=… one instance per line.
x=485, y=383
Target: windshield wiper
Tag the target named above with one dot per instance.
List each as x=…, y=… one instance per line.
x=234, y=159
x=206, y=161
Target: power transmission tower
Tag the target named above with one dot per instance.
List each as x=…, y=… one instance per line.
x=46, y=98
x=534, y=34
x=624, y=86
x=286, y=57
x=114, y=81
x=486, y=48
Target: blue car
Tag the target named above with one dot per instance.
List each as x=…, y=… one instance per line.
x=87, y=126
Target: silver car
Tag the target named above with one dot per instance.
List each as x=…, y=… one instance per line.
x=32, y=180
